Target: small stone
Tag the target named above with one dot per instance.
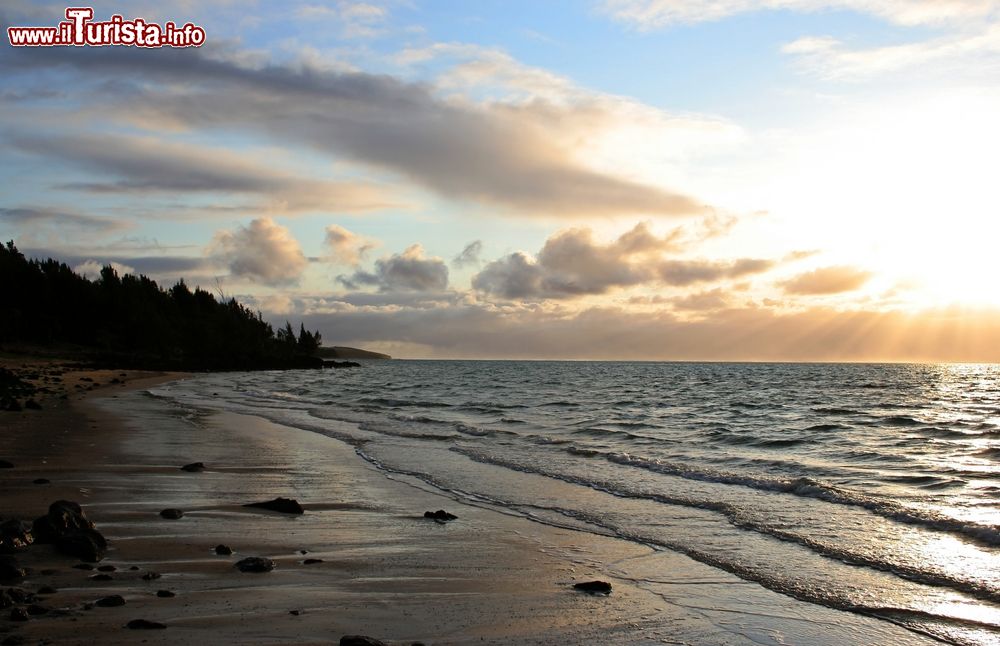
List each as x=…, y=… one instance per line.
x=4, y=464
x=143, y=624
x=360, y=640
x=255, y=564
x=134, y=568
x=165, y=594
x=34, y=610
x=41, y=481
x=594, y=587
x=113, y=601
x=312, y=561
x=32, y=405
x=18, y=614
x=171, y=514
x=102, y=577
x=47, y=589
x=283, y=505
x=194, y=467
x=440, y=515
x=295, y=612
x=151, y=576
x=83, y=566
x=11, y=569
x=223, y=550
x=106, y=568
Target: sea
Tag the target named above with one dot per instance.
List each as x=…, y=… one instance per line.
x=869, y=488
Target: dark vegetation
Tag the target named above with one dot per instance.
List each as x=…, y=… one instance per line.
x=130, y=321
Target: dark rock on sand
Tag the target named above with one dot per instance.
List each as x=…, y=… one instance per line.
x=102, y=577
x=106, y=568
x=14, y=596
x=171, y=514
x=295, y=612
x=255, y=564
x=360, y=640
x=35, y=610
x=32, y=405
x=15, y=535
x=312, y=561
x=151, y=576
x=440, y=515
x=113, y=601
x=165, y=594
x=63, y=517
x=10, y=568
x=284, y=505
x=19, y=614
x=594, y=587
x=41, y=481
x=134, y=568
x=14, y=406
x=47, y=589
x=143, y=624
x=84, y=544
x=194, y=467
x=4, y=464
x=223, y=550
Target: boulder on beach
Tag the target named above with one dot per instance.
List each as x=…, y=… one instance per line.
x=143, y=624
x=85, y=544
x=283, y=505
x=194, y=467
x=63, y=517
x=41, y=481
x=312, y=561
x=19, y=614
x=360, y=640
x=165, y=594
x=151, y=576
x=15, y=535
x=10, y=568
x=102, y=577
x=112, y=601
x=255, y=564
x=14, y=596
x=440, y=515
x=223, y=550
x=594, y=587
x=171, y=514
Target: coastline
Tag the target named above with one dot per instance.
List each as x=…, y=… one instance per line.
x=385, y=571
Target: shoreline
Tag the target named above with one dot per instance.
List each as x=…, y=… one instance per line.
x=384, y=570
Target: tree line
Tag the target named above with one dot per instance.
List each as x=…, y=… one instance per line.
x=134, y=322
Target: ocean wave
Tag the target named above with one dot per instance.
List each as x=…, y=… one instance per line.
x=403, y=403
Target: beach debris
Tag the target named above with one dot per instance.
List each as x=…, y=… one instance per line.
x=194, y=467
x=102, y=577
x=440, y=515
x=165, y=594
x=113, y=601
x=19, y=614
x=283, y=505
x=10, y=568
x=223, y=550
x=4, y=464
x=594, y=587
x=144, y=624
x=151, y=576
x=41, y=481
x=171, y=514
x=15, y=535
x=255, y=564
x=312, y=561
x=360, y=640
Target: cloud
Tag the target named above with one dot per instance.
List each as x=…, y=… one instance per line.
x=262, y=252
x=407, y=271
x=356, y=19
x=609, y=333
x=572, y=264
x=92, y=269
x=650, y=14
x=130, y=164
x=521, y=156
x=827, y=280
x=34, y=217
x=346, y=247
x=469, y=255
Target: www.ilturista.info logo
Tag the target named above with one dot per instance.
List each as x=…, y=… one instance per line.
x=79, y=30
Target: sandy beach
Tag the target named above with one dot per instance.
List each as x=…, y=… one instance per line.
x=362, y=559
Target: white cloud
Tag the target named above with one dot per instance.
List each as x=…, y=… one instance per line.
x=263, y=252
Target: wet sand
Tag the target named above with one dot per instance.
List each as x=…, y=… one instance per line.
x=384, y=570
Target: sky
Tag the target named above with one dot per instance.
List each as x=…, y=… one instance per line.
x=750, y=180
